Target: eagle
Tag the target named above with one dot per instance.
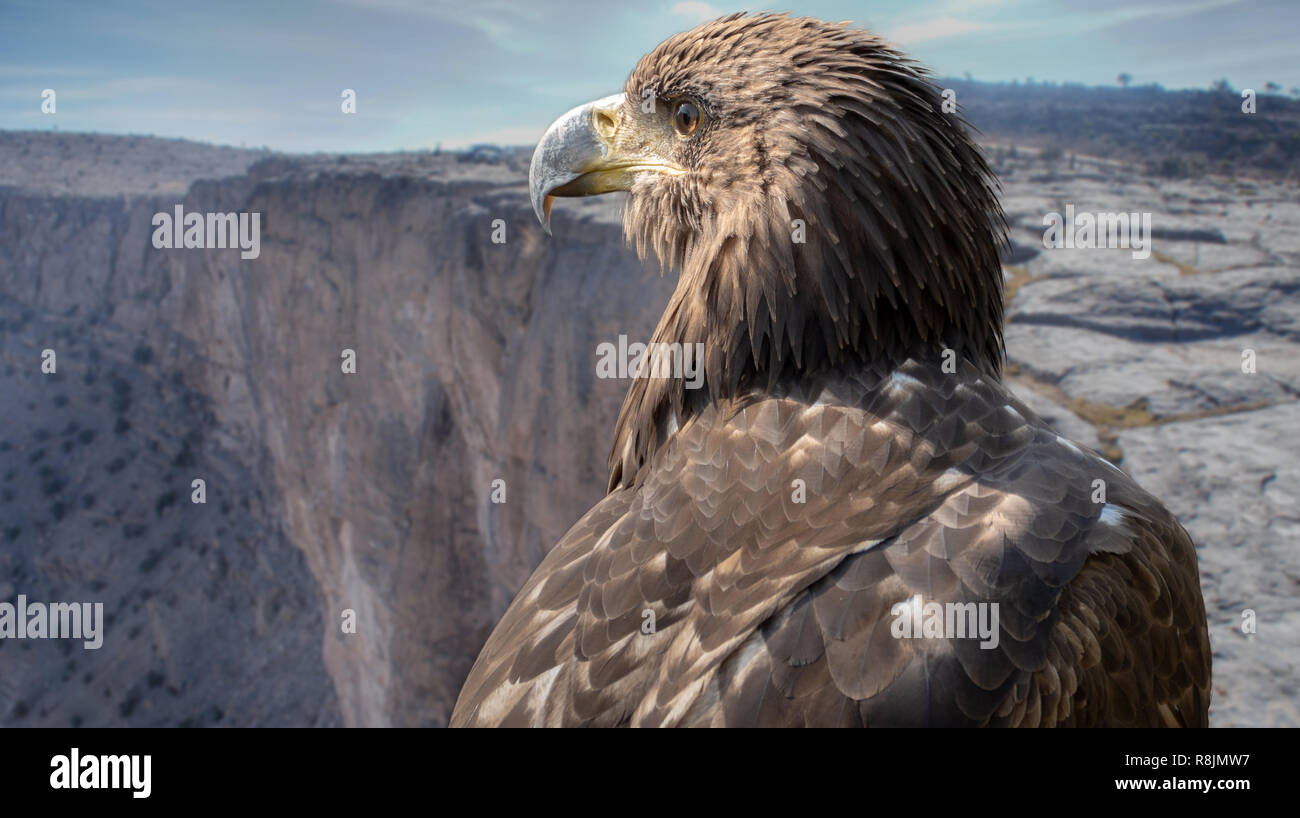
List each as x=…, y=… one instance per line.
x=784, y=545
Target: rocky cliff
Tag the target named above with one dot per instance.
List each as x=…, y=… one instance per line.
x=414, y=495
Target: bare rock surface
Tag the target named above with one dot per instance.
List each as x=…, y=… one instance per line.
x=1232, y=482
x=1187, y=366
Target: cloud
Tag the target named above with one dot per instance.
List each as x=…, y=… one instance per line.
x=108, y=91
x=38, y=72
x=508, y=24
x=969, y=5
x=517, y=135
x=695, y=10
x=935, y=29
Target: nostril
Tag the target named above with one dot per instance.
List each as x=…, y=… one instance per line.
x=605, y=123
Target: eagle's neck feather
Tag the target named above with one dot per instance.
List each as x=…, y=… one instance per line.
x=857, y=244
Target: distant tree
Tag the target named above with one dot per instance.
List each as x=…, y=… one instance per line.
x=1124, y=79
x=1272, y=87
x=1173, y=167
x=1221, y=85
x=1295, y=92
x=967, y=75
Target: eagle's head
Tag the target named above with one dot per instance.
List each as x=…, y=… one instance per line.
x=822, y=207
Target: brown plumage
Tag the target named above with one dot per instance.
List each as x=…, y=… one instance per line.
x=863, y=365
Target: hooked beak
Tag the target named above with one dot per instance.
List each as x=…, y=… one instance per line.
x=588, y=151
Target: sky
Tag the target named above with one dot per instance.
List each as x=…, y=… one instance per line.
x=431, y=73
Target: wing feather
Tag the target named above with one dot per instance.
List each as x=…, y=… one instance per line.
x=773, y=602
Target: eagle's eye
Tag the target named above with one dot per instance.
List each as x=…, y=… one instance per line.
x=686, y=118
